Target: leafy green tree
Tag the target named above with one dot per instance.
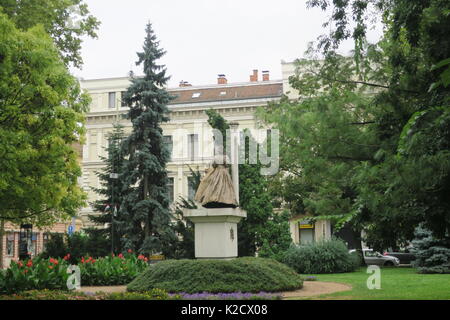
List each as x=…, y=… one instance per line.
x=145, y=203
x=368, y=138
x=41, y=119
x=66, y=21
x=110, y=192
x=262, y=227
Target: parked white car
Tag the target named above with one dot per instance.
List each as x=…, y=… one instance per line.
x=375, y=258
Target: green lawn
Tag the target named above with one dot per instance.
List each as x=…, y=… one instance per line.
x=396, y=283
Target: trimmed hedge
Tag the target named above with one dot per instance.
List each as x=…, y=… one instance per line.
x=237, y=275
x=329, y=256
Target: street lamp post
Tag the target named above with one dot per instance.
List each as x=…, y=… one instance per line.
x=112, y=176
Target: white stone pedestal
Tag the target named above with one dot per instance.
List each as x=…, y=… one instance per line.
x=215, y=231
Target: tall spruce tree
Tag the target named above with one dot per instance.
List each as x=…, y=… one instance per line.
x=145, y=204
x=111, y=193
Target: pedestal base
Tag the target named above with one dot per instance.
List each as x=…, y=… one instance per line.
x=215, y=231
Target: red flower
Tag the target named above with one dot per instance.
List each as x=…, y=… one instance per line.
x=130, y=251
x=67, y=257
x=20, y=264
x=25, y=271
x=141, y=257
x=82, y=260
x=30, y=263
x=120, y=256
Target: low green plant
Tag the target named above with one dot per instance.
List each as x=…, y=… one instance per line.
x=217, y=276
x=111, y=270
x=34, y=274
x=154, y=294
x=327, y=256
x=40, y=273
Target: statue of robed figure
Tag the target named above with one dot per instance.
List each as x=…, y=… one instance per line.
x=216, y=187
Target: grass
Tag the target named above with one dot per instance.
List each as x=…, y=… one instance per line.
x=396, y=284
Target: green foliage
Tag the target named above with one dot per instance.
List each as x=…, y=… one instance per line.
x=154, y=294
x=432, y=255
x=110, y=193
x=367, y=142
x=66, y=21
x=241, y=274
x=145, y=203
x=111, y=270
x=34, y=274
x=327, y=256
x=45, y=294
x=41, y=119
x=78, y=245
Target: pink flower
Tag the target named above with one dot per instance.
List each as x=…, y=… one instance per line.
x=130, y=251
x=120, y=256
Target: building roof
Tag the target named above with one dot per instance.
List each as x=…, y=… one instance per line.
x=227, y=92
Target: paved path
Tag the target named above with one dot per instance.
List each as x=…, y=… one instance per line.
x=315, y=288
x=310, y=289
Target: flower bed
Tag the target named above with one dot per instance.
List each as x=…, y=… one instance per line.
x=155, y=294
x=38, y=274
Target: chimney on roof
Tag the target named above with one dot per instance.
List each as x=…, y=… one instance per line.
x=254, y=76
x=221, y=79
x=184, y=84
x=265, y=75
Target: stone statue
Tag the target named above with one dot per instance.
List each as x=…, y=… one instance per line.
x=216, y=187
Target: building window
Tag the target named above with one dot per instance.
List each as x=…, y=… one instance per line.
x=45, y=238
x=170, y=187
x=191, y=190
x=169, y=144
x=193, y=146
x=122, y=95
x=111, y=100
x=34, y=244
x=10, y=244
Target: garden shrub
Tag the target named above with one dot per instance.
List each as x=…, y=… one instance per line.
x=217, y=276
x=78, y=245
x=432, y=255
x=327, y=256
x=40, y=273
x=111, y=270
x=34, y=274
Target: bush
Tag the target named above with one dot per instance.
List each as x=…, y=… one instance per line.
x=217, y=276
x=40, y=273
x=78, y=245
x=34, y=274
x=432, y=255
x=328, y=256
x=117, y=270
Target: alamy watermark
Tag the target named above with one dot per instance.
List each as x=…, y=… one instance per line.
x=249, y=146
x=374, y=281
x=74, y=280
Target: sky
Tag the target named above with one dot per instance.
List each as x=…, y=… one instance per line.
x=203, y=38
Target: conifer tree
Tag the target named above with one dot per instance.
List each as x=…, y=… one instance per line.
x=111, y=193
x=145, y=204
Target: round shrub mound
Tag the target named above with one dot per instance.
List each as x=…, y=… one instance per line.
x=328, y=256
x=240, y=274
